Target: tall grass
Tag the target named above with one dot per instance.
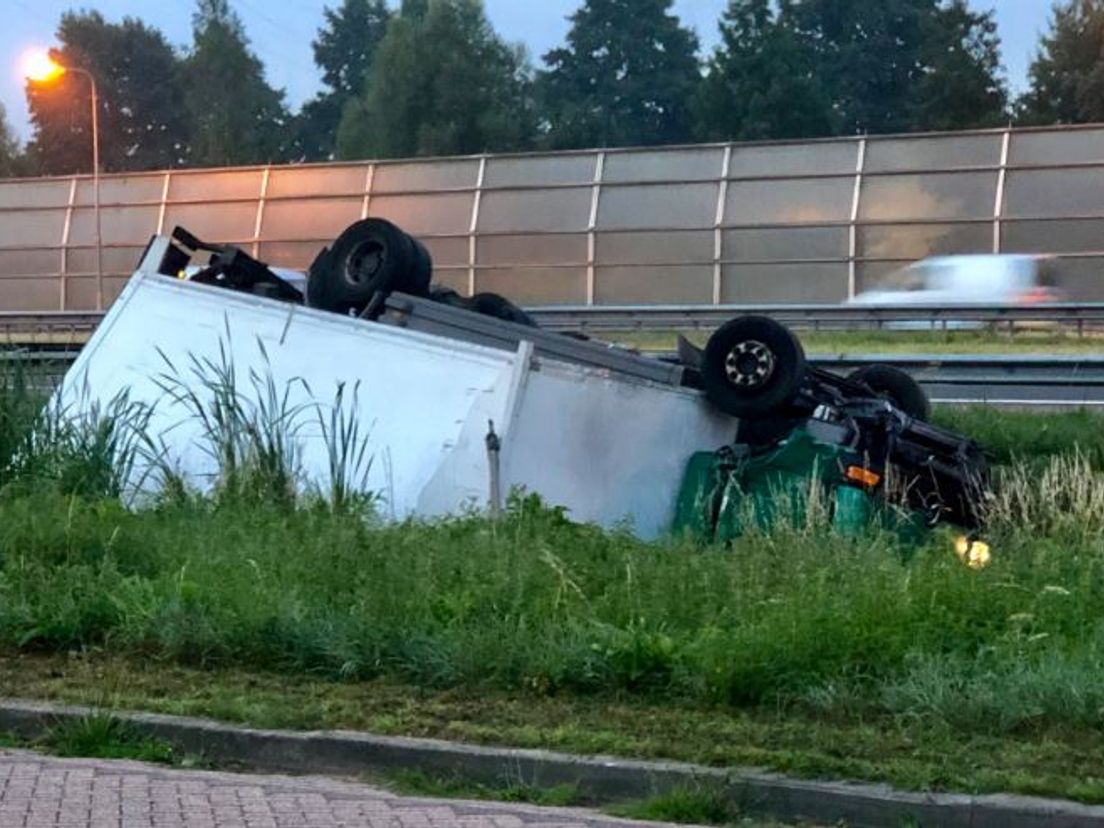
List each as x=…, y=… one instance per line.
x=347, y=456
x=251, y=438
x=83, y=446
x=534, y=602
x=254, y=573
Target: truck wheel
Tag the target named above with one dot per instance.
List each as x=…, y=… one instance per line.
x=368, y=257
x=752, y=366
x=896, y=387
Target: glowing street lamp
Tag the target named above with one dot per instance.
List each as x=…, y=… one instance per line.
x=39, y=67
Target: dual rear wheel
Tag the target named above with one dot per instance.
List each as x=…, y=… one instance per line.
x=373, y=257
x=369, y=257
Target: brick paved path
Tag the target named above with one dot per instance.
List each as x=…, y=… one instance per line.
x=47, y=792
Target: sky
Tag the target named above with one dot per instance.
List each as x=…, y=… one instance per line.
x=280, y=33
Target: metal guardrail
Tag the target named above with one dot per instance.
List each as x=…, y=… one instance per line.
x=54, y=329
x=85, y=320
x=1020, y=381
x=594, y=319
x=598, y=318
x=1028, y=381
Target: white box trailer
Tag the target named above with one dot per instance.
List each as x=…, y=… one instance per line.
x=604, y=433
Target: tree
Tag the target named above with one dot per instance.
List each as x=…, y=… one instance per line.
x=344, y=50
x=903, y=65
x=960, y=84
x=9, y=148
x=1067, y=75
x=142, y=122
x=626, y=75
x=442, y=82
x=346, y=45
x=761, y=82
x=235, y=116
x=801, y=68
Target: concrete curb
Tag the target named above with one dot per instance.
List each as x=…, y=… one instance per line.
x=599, y=777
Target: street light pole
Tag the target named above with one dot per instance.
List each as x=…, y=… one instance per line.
x=40, y=67
x=95, y=182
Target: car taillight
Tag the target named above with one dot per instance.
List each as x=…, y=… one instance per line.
x=1038, y=296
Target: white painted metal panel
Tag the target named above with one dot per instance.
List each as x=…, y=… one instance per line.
x=612, y=450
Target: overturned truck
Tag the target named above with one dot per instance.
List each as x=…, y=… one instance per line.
x=464, y=398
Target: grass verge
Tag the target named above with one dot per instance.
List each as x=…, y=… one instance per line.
x=795, y=647
x=911, y=752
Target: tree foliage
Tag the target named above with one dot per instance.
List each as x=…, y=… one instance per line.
x=142, y=122
x=814, y=67
x=9, y=148
x=442, y=82
x=344, y=49
x=903, y=65
x=626, y=75
x=435, y=78
x=347, y=43
x=762, y=81
x=235, y=116
x=1067, y=75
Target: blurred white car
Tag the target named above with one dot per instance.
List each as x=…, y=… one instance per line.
x=989, y=280
x=966, y=280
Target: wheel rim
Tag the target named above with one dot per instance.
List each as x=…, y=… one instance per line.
x=749, y=364
x=364, y=262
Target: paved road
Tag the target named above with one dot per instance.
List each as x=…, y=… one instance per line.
x=47, y=792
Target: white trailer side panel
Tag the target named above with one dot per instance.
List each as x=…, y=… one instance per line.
x=609, y=448
x=415, y=392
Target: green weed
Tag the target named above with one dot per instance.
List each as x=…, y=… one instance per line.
x=102, y=736
x=696, y=806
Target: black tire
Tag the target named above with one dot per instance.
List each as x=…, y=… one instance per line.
x=896, y=387
x=491, y=304
x=752, y=366
x=370, y=256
